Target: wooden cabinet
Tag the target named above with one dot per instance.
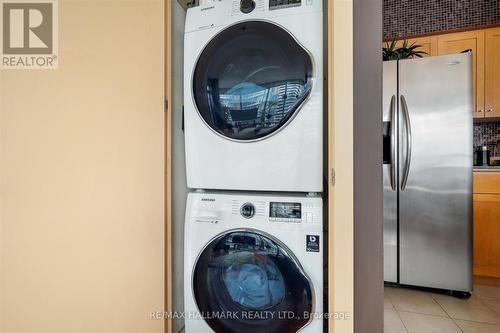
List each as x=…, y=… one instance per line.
x=474, y=41
x=428, y=44
x=487, y=182
x=485, y=47
x=492, y=73
x=487, y=224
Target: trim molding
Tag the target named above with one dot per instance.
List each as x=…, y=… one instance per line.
x=168, y=163
x=341, y=159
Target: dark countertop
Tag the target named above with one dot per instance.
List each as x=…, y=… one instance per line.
x=489, y=168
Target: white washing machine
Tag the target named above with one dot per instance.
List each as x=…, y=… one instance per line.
x=253, y=95
x=253, y=263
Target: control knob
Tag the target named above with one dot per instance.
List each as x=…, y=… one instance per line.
x=246, y=6
x=247, y=210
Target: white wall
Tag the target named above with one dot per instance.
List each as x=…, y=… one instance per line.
x=82, y=176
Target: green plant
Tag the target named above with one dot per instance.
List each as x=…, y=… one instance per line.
x=391, y=52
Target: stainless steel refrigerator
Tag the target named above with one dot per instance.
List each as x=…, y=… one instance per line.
x=428, y=159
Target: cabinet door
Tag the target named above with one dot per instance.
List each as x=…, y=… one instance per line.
x=428, y=44
x=492, y=73
x=486, y=182
x=470, y=40
x=486, y=235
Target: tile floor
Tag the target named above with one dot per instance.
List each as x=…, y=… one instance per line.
x=411, y=311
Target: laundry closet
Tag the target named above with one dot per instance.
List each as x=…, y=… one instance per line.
x=252, y=176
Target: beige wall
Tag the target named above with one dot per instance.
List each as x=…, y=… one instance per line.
x=81, y=176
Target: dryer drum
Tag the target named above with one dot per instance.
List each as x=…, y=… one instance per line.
x=256, y=280
x=251, y=79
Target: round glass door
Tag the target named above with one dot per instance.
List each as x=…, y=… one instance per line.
x=246, y=282
x=251, y=79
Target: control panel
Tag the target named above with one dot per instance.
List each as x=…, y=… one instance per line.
x=278, y=4
x=275, y=210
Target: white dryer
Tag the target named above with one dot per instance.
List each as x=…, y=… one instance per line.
x=253, y=263
x=253, y=95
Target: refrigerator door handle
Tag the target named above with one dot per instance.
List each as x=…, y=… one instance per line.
x=394, y=132
x=406, y=170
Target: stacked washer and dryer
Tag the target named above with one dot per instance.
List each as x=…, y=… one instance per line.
x=253, y=101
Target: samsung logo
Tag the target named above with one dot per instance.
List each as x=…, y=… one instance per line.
x=207, y=8
x=207, y=199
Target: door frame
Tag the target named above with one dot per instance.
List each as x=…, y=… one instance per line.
x=168, y=164
x=340, y=158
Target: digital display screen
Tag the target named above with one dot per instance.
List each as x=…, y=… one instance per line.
x=287, y=210
x=274, y=4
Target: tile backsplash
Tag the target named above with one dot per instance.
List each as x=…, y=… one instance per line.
x=488, y=134
x=404, y=18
